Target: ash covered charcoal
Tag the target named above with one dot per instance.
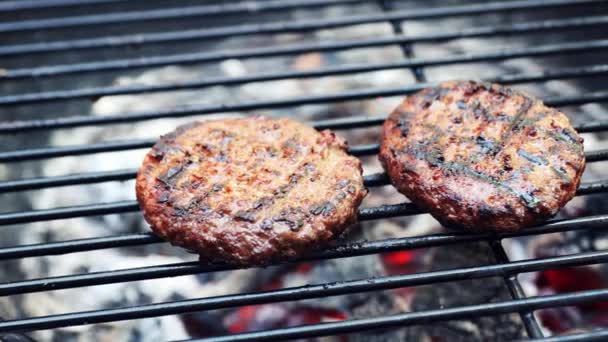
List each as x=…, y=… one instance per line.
x=463, y=293
x=356, y=305
x=380, y=304
x=337, y=270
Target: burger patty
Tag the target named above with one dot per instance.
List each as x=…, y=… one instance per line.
x=248, y=191
x=481, y=156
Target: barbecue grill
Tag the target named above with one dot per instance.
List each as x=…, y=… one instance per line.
x=78, y=20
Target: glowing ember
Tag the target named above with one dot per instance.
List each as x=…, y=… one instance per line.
x=566, y=280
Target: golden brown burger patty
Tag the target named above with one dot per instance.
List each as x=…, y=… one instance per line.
x=481, y=156
x=249, y=190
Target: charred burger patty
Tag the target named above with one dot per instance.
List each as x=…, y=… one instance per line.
x=247, y=191
x=481, y=156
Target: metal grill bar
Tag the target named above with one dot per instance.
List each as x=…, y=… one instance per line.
x=578, y=100
x=315, y=291
x=62, y=95
x=372, y=180
x=132, y=206
x=75, y=150
x=384, y=211
x=120, y=175
x=594, y=156
x=592, y=188
x=51, y=152
x=376, y=179
x=78, y=121
x=105, y=176
x=189, y=268
x=435, y=240
x=80, y=245
x=598, y=335
x=122, y=145
x=283, y=27
x=406, y=48
x=164, y=14
x=420, y=317
x=69, y=212
x=76, y=179
x=12, y=6
x=517, y=292
x=193, y=58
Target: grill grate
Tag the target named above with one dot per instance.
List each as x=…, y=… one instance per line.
x=508, y=270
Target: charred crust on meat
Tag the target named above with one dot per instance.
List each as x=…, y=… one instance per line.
x=245, y=215
x=309, y=168
x=324, y=209
x=558, y=170
x=507, y=163
x=328, y=208
x=483, y=157
x=342, y=183
x=266, y=224
x=164, y=197
x=486, y=212
x=486, y=145
x=403, y=125
x=351, y=189
x=538, y=160
x=170, y=176
x=240, y=191
x=262, y=202
x=461, y=104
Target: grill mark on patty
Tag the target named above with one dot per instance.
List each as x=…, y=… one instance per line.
x=245, y=215
x=486, y=145
x=493, y=148
x=434, y=156
x=488, y=136
x=437, y=133
x=283, y=191
x=516, y=124
x=480, y=112
x=561, y=173
x=169, y=178
x=538, y=160
x=518, y=120
x=529, y=199
x=564, y=136
x=572, y=146
x=529, y=121
x=402, y=123
x=183, y=187
x=476, y=109
x=489, y=146
x=325, y=209
x=300, y=173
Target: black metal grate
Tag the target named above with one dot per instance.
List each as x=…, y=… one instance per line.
x=504, y=268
